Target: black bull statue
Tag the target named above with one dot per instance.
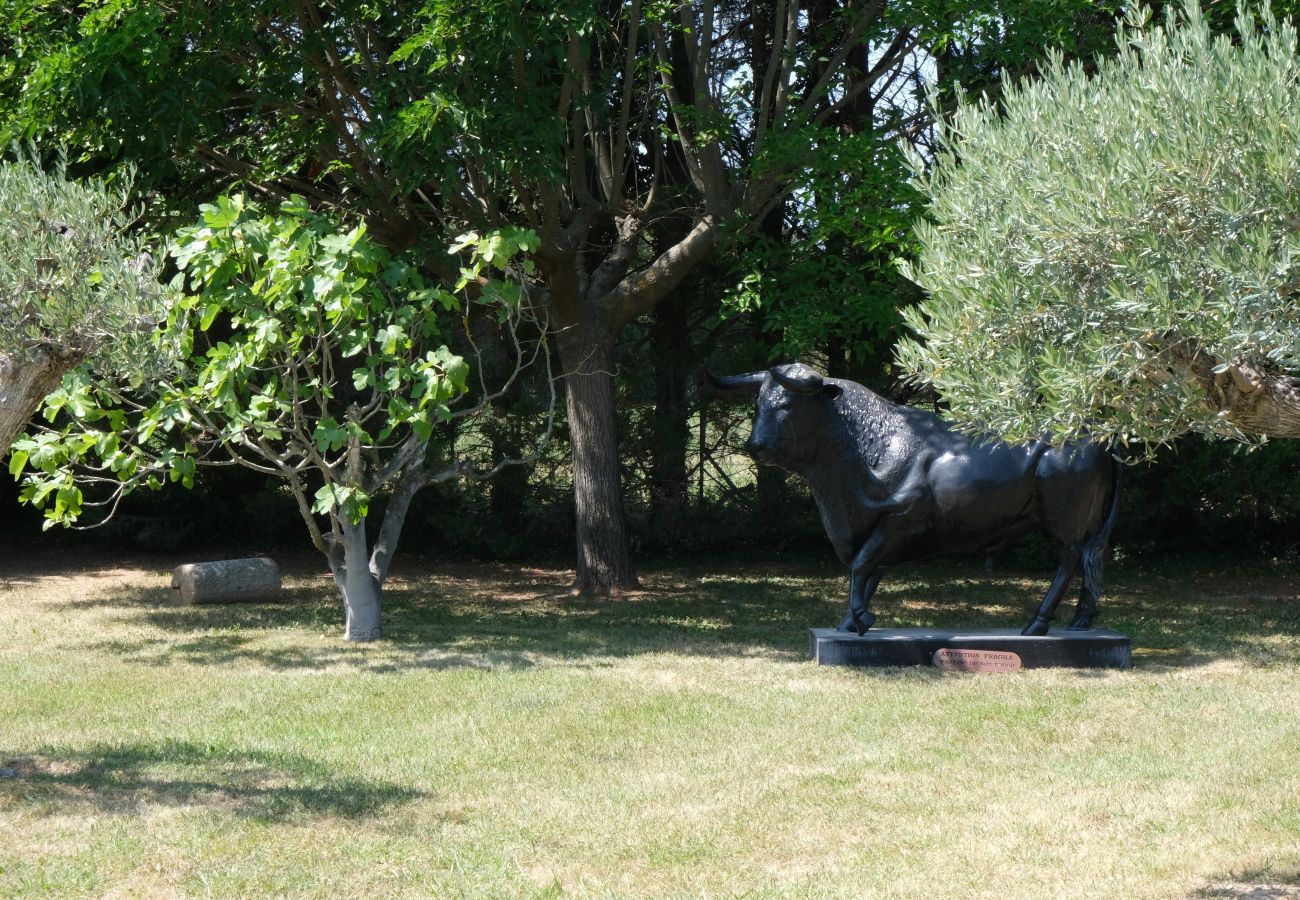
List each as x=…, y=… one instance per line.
x=895, y=483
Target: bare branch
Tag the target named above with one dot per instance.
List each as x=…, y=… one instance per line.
x=782, y=24
x=787, y=62
x=620, y=161
x=835, y=65
x=702, y=59
x=675, y=107
x=903, y=44
x=304, y=508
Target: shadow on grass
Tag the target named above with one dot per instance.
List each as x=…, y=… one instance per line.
x=1256, y=883
x=504, y=617
x=128, y=778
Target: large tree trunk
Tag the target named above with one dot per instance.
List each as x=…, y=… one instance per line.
x=358, y=585
x=26, y=380
x=588, y=310
x=604, y=563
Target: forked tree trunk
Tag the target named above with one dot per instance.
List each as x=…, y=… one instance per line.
x=588, y=310
x=360, y=571
x=358, y=585
x=604, y=564
x=24, y=382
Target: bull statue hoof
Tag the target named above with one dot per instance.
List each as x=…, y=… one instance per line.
x=859, y=625
x=1082, y=622
x=1036, y=628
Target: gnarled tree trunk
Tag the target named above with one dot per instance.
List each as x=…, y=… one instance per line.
x=1247, y=396
x=1256, y=402
x=26, y=380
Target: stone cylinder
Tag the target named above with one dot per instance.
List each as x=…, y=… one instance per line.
x=227, y=581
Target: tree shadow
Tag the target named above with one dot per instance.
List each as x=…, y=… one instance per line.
x=492, y=620
x=516, y=617
x=1182, y=616
x=1254, y=883
x=126, y=778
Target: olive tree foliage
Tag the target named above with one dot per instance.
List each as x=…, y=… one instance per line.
x=309, y=354
x=1119, y=253
x=76, y=285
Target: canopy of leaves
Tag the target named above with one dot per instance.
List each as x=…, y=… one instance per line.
x=426, y=117
x=311, y=354
x=74, y=283
x=831, y=274
x=1081, y=236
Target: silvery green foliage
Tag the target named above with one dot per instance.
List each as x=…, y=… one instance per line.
x=1081, y=232
x=74, y=283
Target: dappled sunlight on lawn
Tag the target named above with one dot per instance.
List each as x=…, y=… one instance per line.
x=516, y=617
x=507, y=738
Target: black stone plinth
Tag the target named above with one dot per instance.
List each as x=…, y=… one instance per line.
x=1096, y=648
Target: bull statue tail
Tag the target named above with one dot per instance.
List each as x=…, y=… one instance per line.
x=1093, y=560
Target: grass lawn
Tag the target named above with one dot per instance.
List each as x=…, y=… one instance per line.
x=508, y=740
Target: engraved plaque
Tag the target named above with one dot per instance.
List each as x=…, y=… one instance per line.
x=953, y=660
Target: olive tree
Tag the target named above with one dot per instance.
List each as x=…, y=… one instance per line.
x=75, y=286
x=1118, y=252
x=311, y=355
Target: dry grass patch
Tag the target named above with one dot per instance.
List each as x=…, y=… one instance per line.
x=507, y=739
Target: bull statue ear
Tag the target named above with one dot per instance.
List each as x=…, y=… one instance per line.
x=798, y=379
x=748, y=383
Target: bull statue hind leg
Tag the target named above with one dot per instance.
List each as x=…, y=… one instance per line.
x=1083, y=537
x=1065, y=570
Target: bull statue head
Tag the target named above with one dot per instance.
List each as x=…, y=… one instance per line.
x=792, y=401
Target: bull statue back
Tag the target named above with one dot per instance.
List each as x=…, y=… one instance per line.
x=894, y=483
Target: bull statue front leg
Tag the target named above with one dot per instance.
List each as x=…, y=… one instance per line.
x=863, y=581
x=883, y=546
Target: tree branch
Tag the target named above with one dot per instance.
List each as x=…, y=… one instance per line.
x=622, y=126
x=1244, y=394
x=399, y=504
x=836, y=63
x=638, y=293
x=612, y=269
x=783, y=22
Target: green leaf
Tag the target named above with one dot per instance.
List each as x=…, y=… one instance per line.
x=463, y=241
x=392, y=338
x=210, y=313
x=329, y=434
x=17, y=460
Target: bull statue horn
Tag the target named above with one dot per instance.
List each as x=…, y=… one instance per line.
x=797, y=378
x=735, y=383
